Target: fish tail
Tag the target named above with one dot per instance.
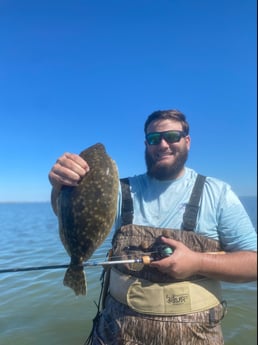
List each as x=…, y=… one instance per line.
x=75, y=279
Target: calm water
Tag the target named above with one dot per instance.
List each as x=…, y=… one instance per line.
x=35, y=307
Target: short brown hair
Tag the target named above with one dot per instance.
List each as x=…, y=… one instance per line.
x=173, y=114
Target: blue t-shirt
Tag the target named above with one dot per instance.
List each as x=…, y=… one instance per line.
x=162, y=204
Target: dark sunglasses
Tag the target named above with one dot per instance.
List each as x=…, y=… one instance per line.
x=171, y=137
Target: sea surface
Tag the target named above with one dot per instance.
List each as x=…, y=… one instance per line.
x=35, y=307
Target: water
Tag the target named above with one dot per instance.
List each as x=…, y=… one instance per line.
x=35, y=307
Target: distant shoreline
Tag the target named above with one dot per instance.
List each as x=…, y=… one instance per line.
x=25, y=202
x=48, y=201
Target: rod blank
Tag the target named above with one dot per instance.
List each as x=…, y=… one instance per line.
x=86, y=264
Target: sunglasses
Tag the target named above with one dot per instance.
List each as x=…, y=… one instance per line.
x=171, y=137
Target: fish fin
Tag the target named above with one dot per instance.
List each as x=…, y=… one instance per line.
x=75, y=279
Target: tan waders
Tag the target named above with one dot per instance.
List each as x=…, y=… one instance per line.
x=142, y=306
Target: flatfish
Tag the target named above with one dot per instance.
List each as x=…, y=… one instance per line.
x=87, y=212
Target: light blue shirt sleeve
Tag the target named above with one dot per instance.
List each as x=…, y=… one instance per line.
x=222, y=216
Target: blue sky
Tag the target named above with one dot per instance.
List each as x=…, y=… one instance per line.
x=73, y=73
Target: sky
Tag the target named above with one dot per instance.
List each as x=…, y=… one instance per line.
x=74, y=73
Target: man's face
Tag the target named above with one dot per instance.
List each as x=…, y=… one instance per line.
x=166, y=161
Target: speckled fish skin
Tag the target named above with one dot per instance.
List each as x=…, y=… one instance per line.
x=87, y=212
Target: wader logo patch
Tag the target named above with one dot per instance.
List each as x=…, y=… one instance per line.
x=177, y=299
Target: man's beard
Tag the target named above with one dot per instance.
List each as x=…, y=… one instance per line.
x=165, y=172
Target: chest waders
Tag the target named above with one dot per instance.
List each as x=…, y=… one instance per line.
x=154, y=305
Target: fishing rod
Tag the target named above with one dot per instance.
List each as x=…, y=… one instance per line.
x=143, y=260
x=161, y=252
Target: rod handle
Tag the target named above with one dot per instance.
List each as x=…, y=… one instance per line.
x=146, y=260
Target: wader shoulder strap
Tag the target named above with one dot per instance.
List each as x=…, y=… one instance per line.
x=192, y=208
x=127, y=202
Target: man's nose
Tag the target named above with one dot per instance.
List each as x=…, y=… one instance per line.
x=163, y=143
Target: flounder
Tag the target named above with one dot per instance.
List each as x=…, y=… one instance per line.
x=87, y=212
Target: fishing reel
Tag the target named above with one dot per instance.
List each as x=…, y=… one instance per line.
x=161, y=251
x=157, y=251
x=144, y=255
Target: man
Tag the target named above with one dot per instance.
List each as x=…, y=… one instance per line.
x=176, y=298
